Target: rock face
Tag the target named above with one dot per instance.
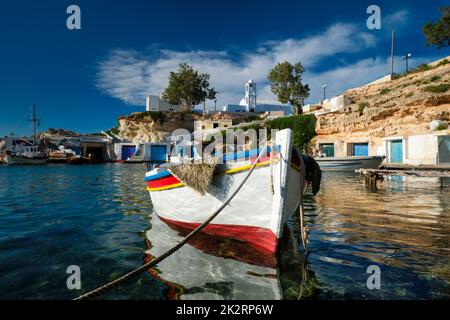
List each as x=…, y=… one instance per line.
x=60, y=132
x=402, y=107
x=157, y=126
x=154, y=126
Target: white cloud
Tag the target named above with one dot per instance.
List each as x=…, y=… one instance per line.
x=395, y=20
x=129, y=75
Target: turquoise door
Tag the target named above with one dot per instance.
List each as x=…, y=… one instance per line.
x=328, y=150
x=396, y=151
x=444, y=149
x=361, y=149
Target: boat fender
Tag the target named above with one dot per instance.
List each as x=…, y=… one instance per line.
x=313, y=174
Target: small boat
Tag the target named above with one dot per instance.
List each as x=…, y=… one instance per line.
x=28, y=157
x=257, y=213
x=349, y=163
x=24, y=151
x=78, y=160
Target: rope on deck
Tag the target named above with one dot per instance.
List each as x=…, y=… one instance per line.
x=132, y=274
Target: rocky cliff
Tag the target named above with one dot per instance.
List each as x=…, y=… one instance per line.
x=153, y=126
x=156, y=126
x=403, y=106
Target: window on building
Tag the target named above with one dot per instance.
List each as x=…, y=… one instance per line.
x=215, y=125
x=360, y=149
x=327, y=149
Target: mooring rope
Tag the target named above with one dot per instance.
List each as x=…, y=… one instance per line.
x=303, y=230
x=132, y=274
x=271, y=167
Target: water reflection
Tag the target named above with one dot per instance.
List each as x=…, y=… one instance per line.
x=403, y=226
x=217, y=268
x=97, y=216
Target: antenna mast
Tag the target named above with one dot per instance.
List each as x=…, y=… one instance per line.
x=392, y=54
x=34, y=120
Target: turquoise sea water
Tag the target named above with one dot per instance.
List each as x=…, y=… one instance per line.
x=100, y=218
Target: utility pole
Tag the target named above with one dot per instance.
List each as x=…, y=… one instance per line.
x=392, y=54
x=406, y=58
x=34, y=120
x=215, y=105
x=324, y=86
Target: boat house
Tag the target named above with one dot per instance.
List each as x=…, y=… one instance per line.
x=422, y=149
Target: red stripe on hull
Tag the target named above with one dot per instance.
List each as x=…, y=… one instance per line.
x=260, y=238
x=265, y=158
x=163, y=182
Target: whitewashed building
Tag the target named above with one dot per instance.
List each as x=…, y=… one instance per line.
x=155, y=103
x=250, y=103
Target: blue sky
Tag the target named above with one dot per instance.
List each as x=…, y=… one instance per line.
x=83, y=79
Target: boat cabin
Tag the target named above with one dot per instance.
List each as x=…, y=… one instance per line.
x=20, y=145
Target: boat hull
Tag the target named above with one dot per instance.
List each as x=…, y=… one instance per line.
x=255, y=215
x=349, y=163
x=20, y=160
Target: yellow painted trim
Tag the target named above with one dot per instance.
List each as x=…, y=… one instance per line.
x=230, y=171
x=247, y=167
x=176, y=185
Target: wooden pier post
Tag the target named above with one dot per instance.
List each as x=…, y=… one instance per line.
x=371, y=178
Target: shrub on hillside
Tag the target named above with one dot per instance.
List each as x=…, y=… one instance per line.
x=303, y=127
x=361, y=106
x=385, y=91
x=438, y=88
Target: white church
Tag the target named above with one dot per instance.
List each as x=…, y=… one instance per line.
x=250, y=103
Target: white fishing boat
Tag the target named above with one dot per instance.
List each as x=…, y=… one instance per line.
x=21, y=151
x=349, y=163
x=27, y=157
x=258, y=212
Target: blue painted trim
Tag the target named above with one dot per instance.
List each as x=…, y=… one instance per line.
x=158, y=175
x=245, y=154
x=225, y=157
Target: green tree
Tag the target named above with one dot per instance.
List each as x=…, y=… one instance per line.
x=187, y=87
x=286, y=82
x=438, y=33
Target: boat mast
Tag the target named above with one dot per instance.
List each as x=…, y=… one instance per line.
x=34, y=120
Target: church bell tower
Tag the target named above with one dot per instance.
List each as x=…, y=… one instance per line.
x=250, y=95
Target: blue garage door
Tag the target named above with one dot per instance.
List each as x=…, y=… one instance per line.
x=396, y=151
x=361, y=149
x=128, y=152
x=159, y=153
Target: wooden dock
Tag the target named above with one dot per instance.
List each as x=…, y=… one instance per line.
x=373, y=175
x=401, y=166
